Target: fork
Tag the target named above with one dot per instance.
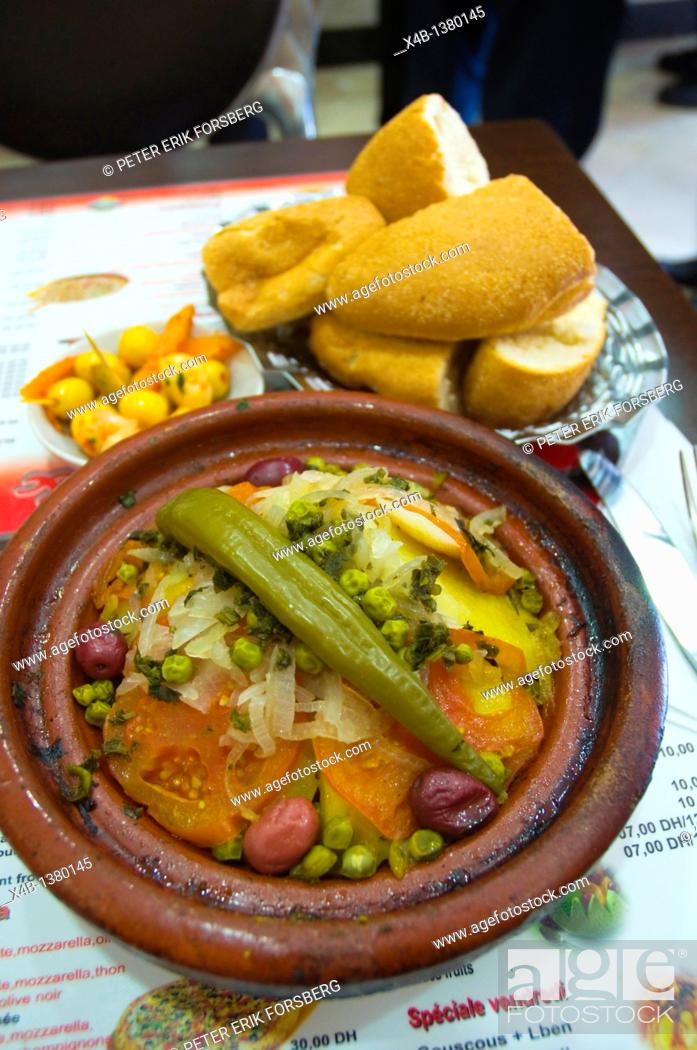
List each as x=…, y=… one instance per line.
x=689, y=495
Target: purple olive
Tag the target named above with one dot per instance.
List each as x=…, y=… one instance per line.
x=273, y=471
x=281, y=836
x=101, y=657
x=451, y=802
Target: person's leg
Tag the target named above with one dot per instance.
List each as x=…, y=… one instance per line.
x=449, y=64
x=549, y=61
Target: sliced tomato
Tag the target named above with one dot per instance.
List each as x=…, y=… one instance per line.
x=515, y=732
x=176, y=766
x=377, y=782
x=497, y=583
x=251, y=771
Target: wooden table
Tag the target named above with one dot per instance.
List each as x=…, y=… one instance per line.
x=526, y=147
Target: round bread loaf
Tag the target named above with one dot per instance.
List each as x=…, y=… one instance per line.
x=517, y=380
x=423, y=155
x=493, y=261
x=273, y=267
x=413, y=370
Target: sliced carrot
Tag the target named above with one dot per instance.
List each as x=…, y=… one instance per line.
x=216, y=347
x=497, y=583
x=242, y=490
x=516, y=732
x=176, y=332
x=39, y=385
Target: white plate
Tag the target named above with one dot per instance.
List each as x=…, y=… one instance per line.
x=245, y=381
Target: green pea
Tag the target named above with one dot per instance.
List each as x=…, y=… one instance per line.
x=103, y=690
x=126, y=572
x=84, y=694
x=314, y=864
x=306, y=659
x=177, y=669
x=354, y=581
x=230, y=850
x=379, y=604
x=317, y=463
x=338, y=833
x=399, y=859
x=531, y=600
x=463, y=653
x=84, y=784
x=303, y=517
x=246, y=654
x=396, y=632
x=96, y=713
x=358, y=862
x=425, y=845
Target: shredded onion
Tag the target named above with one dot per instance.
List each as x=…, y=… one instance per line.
x=281, y=694
x=482, y=527
x=257, y=719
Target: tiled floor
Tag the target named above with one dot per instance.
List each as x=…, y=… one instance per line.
x=645, y=158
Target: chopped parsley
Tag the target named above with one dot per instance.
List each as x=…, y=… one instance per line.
x=121, y=716
x=242, y=405
x=223, y=580
x=283, y=660
x=423, y=582
x=116, y=746
x=228, y=616
x=152, y=670
x=240, y=721
x=134, y=812
x=153, y=538
x=191, y=594
x=128, y=498
x=431, y=640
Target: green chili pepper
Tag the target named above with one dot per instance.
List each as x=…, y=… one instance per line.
x=318, y=612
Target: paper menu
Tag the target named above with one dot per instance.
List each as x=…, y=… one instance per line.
x=59, y=972
x=150, y=240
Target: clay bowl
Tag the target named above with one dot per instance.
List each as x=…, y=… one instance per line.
x=250, y=932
